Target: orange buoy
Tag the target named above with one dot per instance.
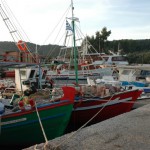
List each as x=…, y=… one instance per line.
x=22, y=45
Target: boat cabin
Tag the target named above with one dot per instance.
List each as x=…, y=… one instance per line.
x=138, y=74
x=102, y=58
x=30, y=76
x=115, y=60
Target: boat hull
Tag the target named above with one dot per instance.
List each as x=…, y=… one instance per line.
x=24, y=129
x=85, y=109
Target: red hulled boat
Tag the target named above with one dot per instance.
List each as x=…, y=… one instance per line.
x=102, y=108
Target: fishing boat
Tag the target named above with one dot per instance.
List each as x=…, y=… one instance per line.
x=22, y=128
x=93, y=109
x=135, y=77
x=115, y=59
x=33, y=113
x=31, y=118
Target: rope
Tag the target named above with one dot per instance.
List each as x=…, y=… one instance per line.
x=44, y=134
x=84, y=124
x=46, y=140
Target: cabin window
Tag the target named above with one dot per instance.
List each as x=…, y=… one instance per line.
x=145, y=73
x=32, y=73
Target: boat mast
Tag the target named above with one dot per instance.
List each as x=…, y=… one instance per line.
x=74, y=44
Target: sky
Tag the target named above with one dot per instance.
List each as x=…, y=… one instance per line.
x=127, y=19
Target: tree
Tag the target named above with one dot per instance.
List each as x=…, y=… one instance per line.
x=101, y=38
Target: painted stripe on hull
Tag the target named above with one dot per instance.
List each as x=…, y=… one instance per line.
x=33, y=121
x=13, y=121
x=112, y=102
x=40, y=108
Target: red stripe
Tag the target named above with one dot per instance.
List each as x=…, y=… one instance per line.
x=39, y=109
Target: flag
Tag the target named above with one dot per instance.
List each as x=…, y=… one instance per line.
x=68, y=26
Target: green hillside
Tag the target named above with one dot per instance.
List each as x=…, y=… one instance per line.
x=137, y=51
x=43, y=50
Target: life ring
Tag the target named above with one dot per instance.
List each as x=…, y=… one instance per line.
x=22, y=45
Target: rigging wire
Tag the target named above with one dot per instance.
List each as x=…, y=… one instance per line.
x=56, y=25
x=13, y=28
x=11, y=14
x=52, y=50
x=66, y=12
x=91, y=47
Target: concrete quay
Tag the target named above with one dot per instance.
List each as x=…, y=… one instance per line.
x=128, y=131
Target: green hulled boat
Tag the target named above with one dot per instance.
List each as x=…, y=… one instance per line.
x=22, y=128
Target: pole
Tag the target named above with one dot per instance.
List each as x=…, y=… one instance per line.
x=39, y=84
x=20, y=82
x=99, y=46
x=74, y=45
